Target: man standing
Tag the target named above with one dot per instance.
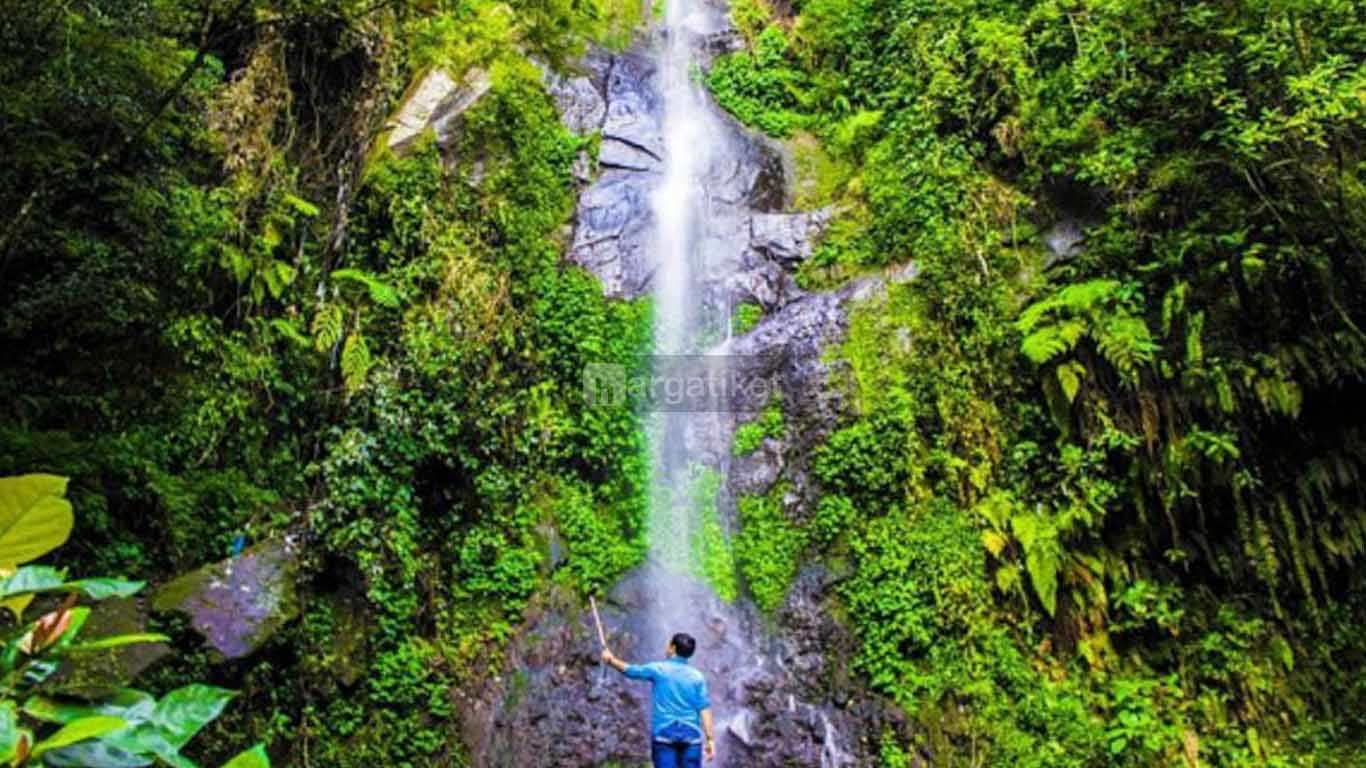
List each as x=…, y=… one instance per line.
x=680, y=722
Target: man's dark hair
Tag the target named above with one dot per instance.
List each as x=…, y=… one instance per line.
x=684, y=645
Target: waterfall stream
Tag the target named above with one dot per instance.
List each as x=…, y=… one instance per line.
x=688, y=253
x=691, y=209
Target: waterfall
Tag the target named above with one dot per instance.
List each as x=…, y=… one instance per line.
x=693, y=138
x=686, y=253
x=700, y=207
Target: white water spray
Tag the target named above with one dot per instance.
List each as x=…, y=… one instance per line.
x=692, y=138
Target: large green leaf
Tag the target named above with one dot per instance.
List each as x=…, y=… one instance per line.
x=9, y=732
x=97, y=754
x=31, y=578
x=1043, y=555
x=116, y=641
x=34, y=517
x=128, y=704
x=103, y=589
x=182, y=712
x=77, y=731
x=255, y=757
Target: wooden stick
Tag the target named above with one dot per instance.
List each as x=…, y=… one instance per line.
x=602, y=636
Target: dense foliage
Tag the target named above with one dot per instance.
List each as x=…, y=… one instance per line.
x=1096, y=503
x=1107, y=495
x=238, y=316
x=49, y=667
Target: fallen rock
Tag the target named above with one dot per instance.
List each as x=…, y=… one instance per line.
x=436, y=104
x=239, y=603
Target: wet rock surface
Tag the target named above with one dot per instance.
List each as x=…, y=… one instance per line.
x=782, y=687
x=613, y=236
x=780, y=700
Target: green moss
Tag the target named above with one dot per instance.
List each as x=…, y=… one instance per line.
x=713, y=557
x=819, y=178
x=745, y=317
x=769, y=424
x=768, y=547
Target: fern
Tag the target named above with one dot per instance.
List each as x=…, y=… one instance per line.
x=380, y=292
x=1125, y=343
x=1070, y=376
x=287, y=329
x=1038, y=537
x=328, y=326
x=355, y=362
x=1051, y=341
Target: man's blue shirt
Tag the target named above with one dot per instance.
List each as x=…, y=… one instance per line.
x=680, y=695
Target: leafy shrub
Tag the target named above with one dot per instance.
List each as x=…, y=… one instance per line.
x=759, y=87
x=769, y=424
x=36, y=518
x=768, y=548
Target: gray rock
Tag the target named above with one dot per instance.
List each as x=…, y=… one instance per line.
x=1065, y=239
x=631, y=127
x=739, y=727
x=99, y=672
x=755, y=473
x=239, y=603
x=788, y=238
x=766, y=284
x=612, y=235
x=436, y=104
x=579, y=98
x=558, y=706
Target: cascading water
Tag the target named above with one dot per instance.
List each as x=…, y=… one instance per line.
x=689, y=207
x=695, y=143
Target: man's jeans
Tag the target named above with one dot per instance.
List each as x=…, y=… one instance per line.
x=674, y=755
x=676, y=747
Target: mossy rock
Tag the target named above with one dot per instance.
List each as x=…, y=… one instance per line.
x=239, y=603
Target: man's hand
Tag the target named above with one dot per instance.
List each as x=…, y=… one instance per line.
x=611, y=660
x=709, y=750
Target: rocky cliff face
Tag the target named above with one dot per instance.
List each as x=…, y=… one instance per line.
x=782, y=687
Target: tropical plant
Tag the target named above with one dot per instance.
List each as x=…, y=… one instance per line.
x=39, y=721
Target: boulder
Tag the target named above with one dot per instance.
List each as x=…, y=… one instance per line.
x=436, y=103
x=99, y=672
x=1065, y=239
x=239, y=603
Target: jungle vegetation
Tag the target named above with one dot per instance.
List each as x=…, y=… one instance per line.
x=1107, y=495
x=1095, y=506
